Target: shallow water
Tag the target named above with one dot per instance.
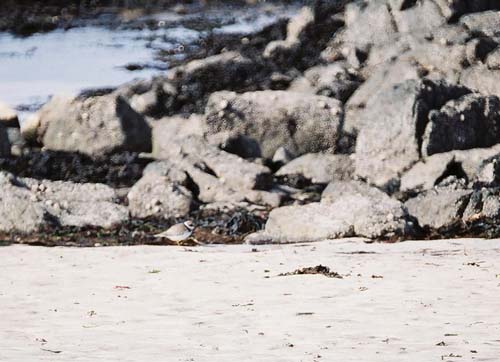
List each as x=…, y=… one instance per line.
x=66, y=62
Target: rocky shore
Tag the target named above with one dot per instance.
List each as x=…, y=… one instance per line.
x=376, y=119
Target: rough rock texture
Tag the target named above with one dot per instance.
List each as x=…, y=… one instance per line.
x=380, y=81
x=230, y=169
x=346, y=209
x=482, y=79
x=93, y=126
x=335, y=80
x=485, y=23
x=468, y=122
x=160, y=196
x=170, y=129
x=440, y=208
x=320, y=168
x=470, y=165
x=28, y=205
x=483, y=206
x=80, y=205
x=389, y=143
x=274, y=119
x=200, y=77
x=18, y=212
x=493, y=59
x=207, y=187
x=307, y=33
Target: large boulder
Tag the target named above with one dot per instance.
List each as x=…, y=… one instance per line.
x=471, y=165
x=160, y=196
x=27, y=205
x=439, y=208
x=301, y=123
x=390, y=140
x=94, y=126
x=18, y=211
x=346, y=209
x=319, y=168
x=383, y=77
x=80, y=205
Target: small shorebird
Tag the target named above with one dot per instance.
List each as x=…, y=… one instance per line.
x=179, y=232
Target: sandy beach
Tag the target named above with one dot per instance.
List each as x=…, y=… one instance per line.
x=412, y=301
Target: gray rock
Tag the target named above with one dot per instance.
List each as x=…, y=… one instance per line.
x=232, y=170
x=469, y=164
x=440, y=208
x=493, y=59
x=389, y=144
x=198, y=78
x=159, y=196
x=299, y=122
x=311, y=222
x=485, y=23
x=72, y=204
x=171, y=129
x=371, y=212
x=335, y=80
x=347, y=209
x=60, y=191
x=482, y=79
x=210, y=188
x=80, y=214
x=27, y=205
x=320, y=168
x=18, y=212
x=297, y=28
x=469, y=122
x=282, y=156
x=382, y=79
x=484, y=204
x=94, y=126
x=425, y=15
x=369, y=22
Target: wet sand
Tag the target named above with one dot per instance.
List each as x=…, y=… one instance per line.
x=412, y=301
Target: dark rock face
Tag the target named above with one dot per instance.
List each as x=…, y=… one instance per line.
x=276, y=119
x=468, y=122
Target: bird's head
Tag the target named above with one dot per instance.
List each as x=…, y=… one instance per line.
x=189, y=224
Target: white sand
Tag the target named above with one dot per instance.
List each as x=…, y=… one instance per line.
x=217, y=304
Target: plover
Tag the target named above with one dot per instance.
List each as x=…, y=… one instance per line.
x=179, y=232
